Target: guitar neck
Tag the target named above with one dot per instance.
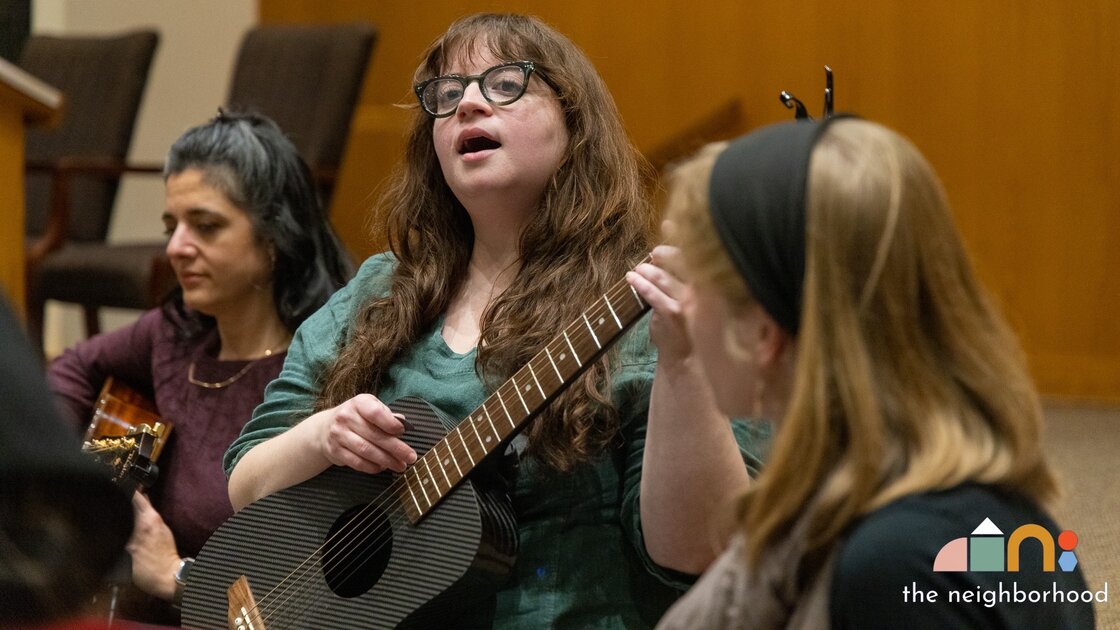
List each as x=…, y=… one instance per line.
x=519, y=399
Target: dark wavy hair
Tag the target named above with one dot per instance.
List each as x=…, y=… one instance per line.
x=594, y=221
x=250, y=160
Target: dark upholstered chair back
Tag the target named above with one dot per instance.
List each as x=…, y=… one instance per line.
x=102, y=80
x=307, y=78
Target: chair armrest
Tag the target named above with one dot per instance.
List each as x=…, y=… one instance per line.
x=61, y=172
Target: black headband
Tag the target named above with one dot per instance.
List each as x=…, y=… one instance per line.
x=757, y=199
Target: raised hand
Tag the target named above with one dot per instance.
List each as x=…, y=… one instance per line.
x=667, y=295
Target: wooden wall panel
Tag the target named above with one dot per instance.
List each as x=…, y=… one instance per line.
x=11, y=208
x=1014, y=102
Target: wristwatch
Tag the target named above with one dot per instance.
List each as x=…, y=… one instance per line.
x=181, y=575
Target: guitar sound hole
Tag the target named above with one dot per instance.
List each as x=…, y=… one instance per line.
x=356, y=551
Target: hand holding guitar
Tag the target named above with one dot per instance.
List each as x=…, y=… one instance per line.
x=363, y=434
x=152, y=547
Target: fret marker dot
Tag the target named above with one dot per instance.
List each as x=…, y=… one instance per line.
x=562, y=355
x=487, y=439
x=601, y=320
x=425, y=482
x=527, y=388
x=446, y=462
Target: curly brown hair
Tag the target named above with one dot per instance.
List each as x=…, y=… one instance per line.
x=593, y=222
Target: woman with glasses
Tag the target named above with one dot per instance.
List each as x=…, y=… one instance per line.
x=519, y=204
x=254, y=255
x=826, y=288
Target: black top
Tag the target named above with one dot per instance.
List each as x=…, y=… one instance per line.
x=890, y=554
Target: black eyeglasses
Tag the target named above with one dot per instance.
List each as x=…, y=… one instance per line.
x=800, y=113
x=500, y=85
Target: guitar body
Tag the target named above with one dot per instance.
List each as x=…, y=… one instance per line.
x=386, y=573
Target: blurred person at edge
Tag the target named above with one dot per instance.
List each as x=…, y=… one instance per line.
x=63, y=522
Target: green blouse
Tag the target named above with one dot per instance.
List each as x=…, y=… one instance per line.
x=581, y=560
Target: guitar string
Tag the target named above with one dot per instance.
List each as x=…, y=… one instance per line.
x=591, y=350
x=356, y=535
x=348, y=563
x=359, y=538
x=307, y=597
x=620, y=287
x=321, y=586
x=367, y=528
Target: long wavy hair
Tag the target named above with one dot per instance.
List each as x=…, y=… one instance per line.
x=592, y=223
x=906, y=378
x=249, y=159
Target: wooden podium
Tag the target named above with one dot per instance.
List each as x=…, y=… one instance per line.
x=24, y=100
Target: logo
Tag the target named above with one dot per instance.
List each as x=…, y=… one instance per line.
x=988, y=550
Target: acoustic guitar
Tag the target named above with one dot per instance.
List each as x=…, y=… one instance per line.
x=120, y=410
x=126, y=434
x=415, y=549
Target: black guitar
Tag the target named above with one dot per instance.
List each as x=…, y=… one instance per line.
x=349, y=550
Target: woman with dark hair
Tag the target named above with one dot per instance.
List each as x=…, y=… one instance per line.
x=254, y=256
x=519, y=203
x=826, y=288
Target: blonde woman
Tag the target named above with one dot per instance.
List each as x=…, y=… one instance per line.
x=825, y=286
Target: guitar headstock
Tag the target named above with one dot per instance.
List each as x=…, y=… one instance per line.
x=129, y=457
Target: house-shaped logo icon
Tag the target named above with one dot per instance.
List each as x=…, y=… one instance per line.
x=986, y=549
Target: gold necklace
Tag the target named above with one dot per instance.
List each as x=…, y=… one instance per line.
x=229, y=381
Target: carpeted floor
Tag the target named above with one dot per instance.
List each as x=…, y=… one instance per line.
x=1083, y=444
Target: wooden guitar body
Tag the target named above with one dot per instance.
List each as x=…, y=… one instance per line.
x=338, y=551
x=121, y=410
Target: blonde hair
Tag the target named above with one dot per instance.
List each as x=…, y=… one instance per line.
x=690, y=227
x=907, y=379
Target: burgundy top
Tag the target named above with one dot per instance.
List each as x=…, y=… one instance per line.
x=191, y=492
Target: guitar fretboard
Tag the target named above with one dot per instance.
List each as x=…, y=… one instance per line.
x=519, y=399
